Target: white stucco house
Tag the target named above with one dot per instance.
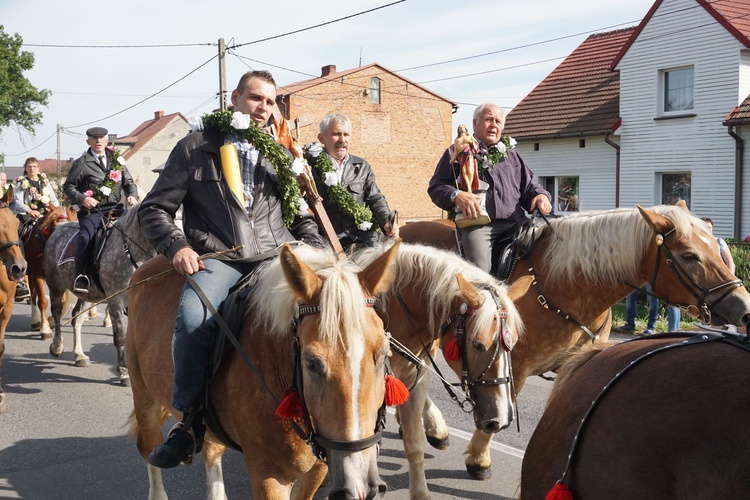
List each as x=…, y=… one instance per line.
x=649, y=115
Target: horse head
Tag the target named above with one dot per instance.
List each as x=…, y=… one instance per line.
x=342, y=350
x=684, y=267
x=11, y=253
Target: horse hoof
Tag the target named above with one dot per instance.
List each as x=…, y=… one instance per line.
x=107, y=323
x=55, y=352
x=400, y=433
x=439, y=444
x=46, y=336
x=479, y=472
x=35, y=327
x=125, y=380
x=83, y=362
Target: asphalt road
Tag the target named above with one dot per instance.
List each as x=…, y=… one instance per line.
x=63, y=434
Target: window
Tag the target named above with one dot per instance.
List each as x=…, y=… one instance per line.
x=677, y=91
x=564, y=191
x=375, y=90
x=675, y=187
x=581, y=143
x=536, y=146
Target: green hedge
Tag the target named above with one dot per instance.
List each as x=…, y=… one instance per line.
x=741, y=255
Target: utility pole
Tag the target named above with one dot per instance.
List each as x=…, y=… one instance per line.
x=222, y=76
x=58, y=149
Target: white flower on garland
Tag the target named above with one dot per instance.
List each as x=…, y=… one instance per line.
x=44, y=200
x=195, y=123
x=298, y=166
x=365, y=226
x=120, y=160
x=332, y=178
x=105, y=190
x=240, y=121
x=314, y=149
x=303, y=206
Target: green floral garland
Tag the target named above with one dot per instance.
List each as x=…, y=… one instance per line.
x=225, y=121
x=496, y=153
x=114, y=176
x=342, y=198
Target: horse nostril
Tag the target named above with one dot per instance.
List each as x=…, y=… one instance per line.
x=491, y=426
x=382, y=489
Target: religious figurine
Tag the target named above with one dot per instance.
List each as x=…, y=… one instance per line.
x=464, y=148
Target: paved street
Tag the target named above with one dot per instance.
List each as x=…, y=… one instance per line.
x=63, y=435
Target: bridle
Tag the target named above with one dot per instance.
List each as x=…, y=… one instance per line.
x=695, y=289
x=468, y=383
x=318, y=443
x=11, y=243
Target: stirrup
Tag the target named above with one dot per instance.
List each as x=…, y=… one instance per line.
x=81, y=284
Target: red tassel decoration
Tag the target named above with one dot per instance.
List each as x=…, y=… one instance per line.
x=290, y=407
x=450, y=351
x=559, y=491
x=396, y=392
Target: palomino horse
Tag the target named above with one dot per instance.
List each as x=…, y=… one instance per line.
x=341, y=350
x=33, y=246
x=15, y=267
x=423, y=309
x=125, y=249
x=585, y=263
x=655, y=417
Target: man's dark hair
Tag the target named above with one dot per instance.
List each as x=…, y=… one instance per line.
x=707, y=219
x=261, y=74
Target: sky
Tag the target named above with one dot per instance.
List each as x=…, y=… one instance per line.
x=114, y=65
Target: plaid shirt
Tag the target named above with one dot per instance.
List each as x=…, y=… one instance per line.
x=248, y=157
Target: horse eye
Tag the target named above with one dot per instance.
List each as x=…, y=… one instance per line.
x=690, y=256
x=314, y=365
x=478, y=346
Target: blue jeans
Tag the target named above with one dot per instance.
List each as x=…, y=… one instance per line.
x=632, y=309
x=673, y=318
x=195, y=327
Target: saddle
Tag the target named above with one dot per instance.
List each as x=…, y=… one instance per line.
x=506, y=252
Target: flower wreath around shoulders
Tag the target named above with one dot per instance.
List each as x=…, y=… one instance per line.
x=337, y=193
x=111, y=179
x=495, y=153
x=39, y=198
x=240, y=125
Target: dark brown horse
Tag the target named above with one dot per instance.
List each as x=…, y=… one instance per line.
x=33, y=245
x=11, y=255
x=342, y=353
x=670, y=423
x=585, y=263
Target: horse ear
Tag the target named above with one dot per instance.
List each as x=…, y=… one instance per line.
x=682, y=204
x=469, y=292
x=301, y=278
x=519, y=287
x=378, y=276
x=658, y=222
x=8, y=196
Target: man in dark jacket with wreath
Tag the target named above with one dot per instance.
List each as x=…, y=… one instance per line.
x=216, y=218
x=95, y=183
x=347, y=185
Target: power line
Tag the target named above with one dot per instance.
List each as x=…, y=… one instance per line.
x=154, y=46
x=316, y=25
x=38, y=145
x=147, y=98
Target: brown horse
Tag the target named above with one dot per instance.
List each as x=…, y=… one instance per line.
x=667, y=421
x=33, y=245
x=11, y=255
x=584, y=263
x=342, y=354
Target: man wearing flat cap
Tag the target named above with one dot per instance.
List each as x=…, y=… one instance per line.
x=95, y=183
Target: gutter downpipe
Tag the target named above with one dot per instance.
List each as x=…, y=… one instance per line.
x=739, y=147
x=617, y=169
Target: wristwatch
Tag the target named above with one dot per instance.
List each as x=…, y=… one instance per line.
x=453, y=195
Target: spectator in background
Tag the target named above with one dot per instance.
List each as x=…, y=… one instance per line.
x=726, y=255
x=631, y=311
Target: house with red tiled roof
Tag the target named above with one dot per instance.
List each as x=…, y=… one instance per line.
x=672, y=104
x=147, y=147
x=397, y=126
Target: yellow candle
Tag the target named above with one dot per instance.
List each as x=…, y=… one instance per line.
x=230, y=165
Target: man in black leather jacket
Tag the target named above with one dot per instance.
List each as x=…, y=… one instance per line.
x=214, y=219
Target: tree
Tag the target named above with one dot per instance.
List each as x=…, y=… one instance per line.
x=18, y=97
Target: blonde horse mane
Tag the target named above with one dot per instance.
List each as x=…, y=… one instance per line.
x=341, y=298
x=433, y=271
x=606, y=247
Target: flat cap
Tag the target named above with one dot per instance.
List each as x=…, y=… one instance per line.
x=96, y=131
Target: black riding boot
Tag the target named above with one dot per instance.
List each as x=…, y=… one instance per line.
x=184, y=441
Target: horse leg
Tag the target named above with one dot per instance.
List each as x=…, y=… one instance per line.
x=107, y=321
x=36, y=321
x=478, y=458
x=411, y=424
x=306, y=486
x=5, y=313
x=56, y=308
x=212, y=453
x=81, y=360
x=119, y=334
x=435, y=427
x=156, y=489
x=41, y=309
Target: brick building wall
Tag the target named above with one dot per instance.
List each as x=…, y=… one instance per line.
x=402, y=137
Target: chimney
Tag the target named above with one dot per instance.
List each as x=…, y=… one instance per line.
x=158, y=114
x=327, y=70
